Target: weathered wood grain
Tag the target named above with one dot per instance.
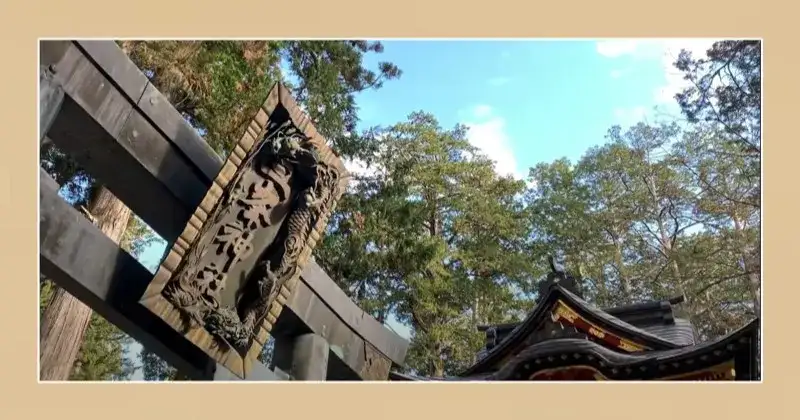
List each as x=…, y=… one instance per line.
x=98, y=127
x=139, y=138
x=310, y=358
x=51, y=96
x=175, y=128
x=307, y=307
x=388, y=343
x=114, y=64
x=85, y=262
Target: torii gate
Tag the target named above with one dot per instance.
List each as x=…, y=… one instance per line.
x=242, y=231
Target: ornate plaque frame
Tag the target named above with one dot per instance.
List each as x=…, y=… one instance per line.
x=225, y=280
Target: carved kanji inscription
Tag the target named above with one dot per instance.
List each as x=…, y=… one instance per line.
x=257, y=236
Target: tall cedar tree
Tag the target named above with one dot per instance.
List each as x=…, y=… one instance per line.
x=433, y=236
x=639, y=226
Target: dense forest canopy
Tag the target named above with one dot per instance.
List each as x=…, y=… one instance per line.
x=432, y=236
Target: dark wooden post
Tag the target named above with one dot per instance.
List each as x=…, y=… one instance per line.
x=304, y=357
x=310, y=358
x=51, y=96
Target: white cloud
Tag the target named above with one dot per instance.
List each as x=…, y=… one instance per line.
x=358, y=170
x=499, y=81
x=675, y=82
x=616, y=74
x=481, y=111
x=357, y=167
x=664, y=50
x=487, y=132
x=629, y=115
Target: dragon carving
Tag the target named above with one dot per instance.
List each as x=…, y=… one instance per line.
x=282, y=186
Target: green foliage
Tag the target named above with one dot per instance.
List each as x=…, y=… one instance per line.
x=725, y=93
x=654, y=213
x=433, y=236
x=267, y=351
x=726, y=90
x=436, y=238
x=138, y=236
x=46, y=291
x=216, y=85
x=155, y=369
x=329, y=74
x=219, y=85
x=102, y=353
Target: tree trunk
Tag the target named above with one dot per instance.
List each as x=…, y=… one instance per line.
x=476, y=307
x=750, y=267
x=665, y=239
x=65, y=319
x=624, y=281
x=438, y=370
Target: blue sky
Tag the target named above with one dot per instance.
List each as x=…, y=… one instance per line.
x=529, y=101
x=525, y=101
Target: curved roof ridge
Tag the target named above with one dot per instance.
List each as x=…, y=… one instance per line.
x=585, y=350
x=618, y=323
x=541, y=309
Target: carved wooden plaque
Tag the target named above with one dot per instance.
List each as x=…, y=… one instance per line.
x=226, y=279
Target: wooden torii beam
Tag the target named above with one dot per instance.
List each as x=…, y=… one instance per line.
x=80, y=258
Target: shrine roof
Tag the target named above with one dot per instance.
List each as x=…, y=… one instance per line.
x=739, y=345
x=638, y=314
x=643, y=365
x=657, y=341
x=654, y=317
x=653, y=336
x=680, y=332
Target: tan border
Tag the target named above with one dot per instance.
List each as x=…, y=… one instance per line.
x=23, y=22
